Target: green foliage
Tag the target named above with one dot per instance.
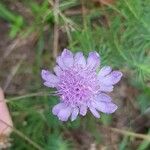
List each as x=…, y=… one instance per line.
x=145, y=145
x=16, y=21
x=124, y=143
x=55, y=142
x=143, y=100
x=106, y=119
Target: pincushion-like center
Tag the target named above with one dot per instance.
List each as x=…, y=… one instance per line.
x=76, y=86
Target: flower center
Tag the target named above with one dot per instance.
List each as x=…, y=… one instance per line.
x=77, y=86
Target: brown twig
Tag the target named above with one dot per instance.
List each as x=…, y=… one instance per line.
x=13, y=72
x=56, y=29
x=20, y=41
x=55, y=41
x=68, y=23
x=83, y=13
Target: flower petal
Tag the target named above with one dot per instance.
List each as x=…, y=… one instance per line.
x=49, y=84
x=60, y=62
x=104, y=71
x=105, y=88
x=80, y=59
x=113, y=78
x=83, y=110
x=105, y=107
x=56, y=109
x=67, y=57
x=50, y=79
x=93, y=60
x=94, y=112
x=74, y=114
x=58, y=70
x=103, y=97
x=64, y=114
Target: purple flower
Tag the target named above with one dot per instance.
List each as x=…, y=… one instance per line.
x=80, y=87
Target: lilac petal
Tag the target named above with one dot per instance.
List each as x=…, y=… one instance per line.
x=56, y=109
x=105, y=88
x=103, y=97
x=67, y=57
x=60, y=62
x=58, y=70
x=50, y=79
x=83, y=110
x=94, y=112
x=113, y=78
x=93, y=60
x=105, y=107
x=104, y=71
x=49, y=84
x=80, y=59
x=64, y=114
x=74, y=114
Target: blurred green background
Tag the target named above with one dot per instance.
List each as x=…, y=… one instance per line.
x=34, y=32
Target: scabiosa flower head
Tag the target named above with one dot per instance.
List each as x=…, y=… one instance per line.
x=80, y=87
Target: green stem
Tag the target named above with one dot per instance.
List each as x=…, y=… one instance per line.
x=28, y=96
x=129, y=133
